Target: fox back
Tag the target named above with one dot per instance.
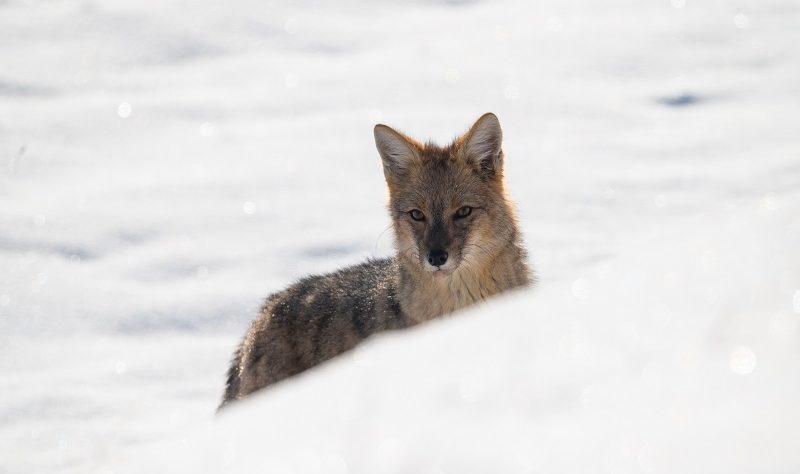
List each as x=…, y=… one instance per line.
x=457, y=243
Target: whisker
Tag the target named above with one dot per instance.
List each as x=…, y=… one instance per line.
x=375, y=248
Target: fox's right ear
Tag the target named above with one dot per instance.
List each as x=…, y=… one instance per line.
x=396, y=151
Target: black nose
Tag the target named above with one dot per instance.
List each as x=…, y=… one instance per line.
x=437, y=257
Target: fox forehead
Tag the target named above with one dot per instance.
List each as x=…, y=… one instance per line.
x=467, y=172
x=439, y=182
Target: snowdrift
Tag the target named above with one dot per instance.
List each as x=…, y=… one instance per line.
x=673, y=358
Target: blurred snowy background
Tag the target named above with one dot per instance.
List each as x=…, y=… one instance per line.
x=166, y=164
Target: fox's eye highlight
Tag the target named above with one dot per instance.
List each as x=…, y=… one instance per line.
x=417, y=215
x=463, y=212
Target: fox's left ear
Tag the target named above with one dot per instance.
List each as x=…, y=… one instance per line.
x=483, y=146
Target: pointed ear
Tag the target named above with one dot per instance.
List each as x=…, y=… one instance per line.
x=396, y=150
x=483, y=146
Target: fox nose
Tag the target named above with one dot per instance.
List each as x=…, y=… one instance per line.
x=437, y=257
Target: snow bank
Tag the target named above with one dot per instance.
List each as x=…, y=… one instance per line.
x=680, y=356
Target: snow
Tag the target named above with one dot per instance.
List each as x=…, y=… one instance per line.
x=165, y=165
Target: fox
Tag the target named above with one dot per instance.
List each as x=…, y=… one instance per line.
x=456, y=241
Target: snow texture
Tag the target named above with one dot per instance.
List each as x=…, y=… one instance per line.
x=165, y=165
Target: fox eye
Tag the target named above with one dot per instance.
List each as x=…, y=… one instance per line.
x=463, y=212
x=417, y=215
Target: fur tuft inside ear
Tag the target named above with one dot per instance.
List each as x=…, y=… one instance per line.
x=483, y=145
x=395, y=149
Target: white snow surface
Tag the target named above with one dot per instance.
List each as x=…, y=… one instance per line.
x=164, y=165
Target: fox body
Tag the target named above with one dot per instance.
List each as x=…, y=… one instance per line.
x=456, y=240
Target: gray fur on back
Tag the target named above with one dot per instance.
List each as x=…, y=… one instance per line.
x=314, y=320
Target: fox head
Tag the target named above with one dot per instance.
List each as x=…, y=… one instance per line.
x=447, y=203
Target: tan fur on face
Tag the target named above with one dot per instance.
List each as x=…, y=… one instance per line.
x=488, y=257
